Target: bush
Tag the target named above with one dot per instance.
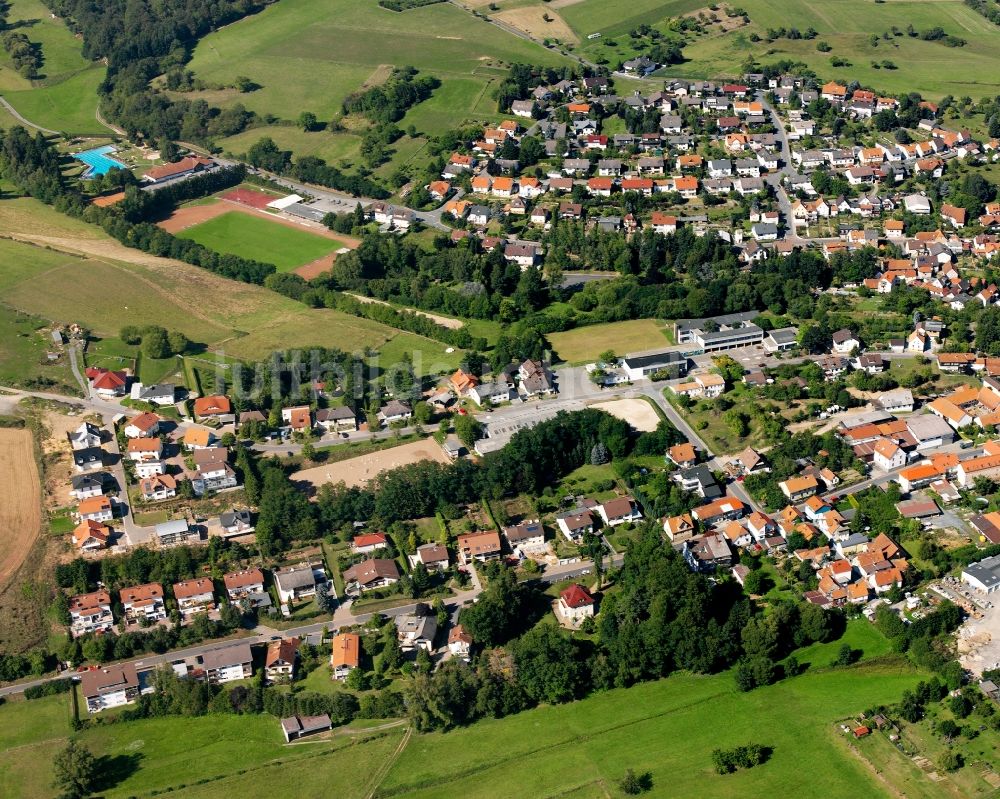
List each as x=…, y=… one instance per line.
x=50, y=688
x=726, y=761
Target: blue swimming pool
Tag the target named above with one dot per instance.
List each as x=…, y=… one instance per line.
x=98, y=162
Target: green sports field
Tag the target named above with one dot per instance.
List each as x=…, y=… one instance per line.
x=258, y=239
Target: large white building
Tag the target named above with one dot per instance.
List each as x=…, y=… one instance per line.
x=983, y=576
x=111, y=686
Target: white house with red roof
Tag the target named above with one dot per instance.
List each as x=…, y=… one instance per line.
x=106, y=382
x=576, y=604
x=368, y=543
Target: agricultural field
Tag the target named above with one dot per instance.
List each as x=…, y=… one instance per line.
x=930, y=68
x=251, y=236
x=585, y=344
x=64, y=98
x=103, y=285
x=20, y=499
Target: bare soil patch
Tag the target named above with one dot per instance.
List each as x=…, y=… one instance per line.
x=360, y=470
x=636, y=412
x=316, y=268
x=255, y=199
x=563, y=3
x=380, y=75
x=55, y=452
x=20, y=500
x=532, y=20
x=722, y=22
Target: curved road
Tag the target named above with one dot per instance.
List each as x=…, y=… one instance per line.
x=17, y=115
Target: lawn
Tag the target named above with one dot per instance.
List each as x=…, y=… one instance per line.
x=258, y=239
x=584, y=344
x=668, y=728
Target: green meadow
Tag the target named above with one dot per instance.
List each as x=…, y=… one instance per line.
x=64, y=97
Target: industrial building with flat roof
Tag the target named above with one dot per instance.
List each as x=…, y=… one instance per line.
x=983, y=576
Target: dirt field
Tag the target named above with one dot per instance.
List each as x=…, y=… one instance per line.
x=636, y=412
x=531, y=20
x=358, y=471
x=444, y=321
x=315, y=268
x=20, y=494
x=249, y=197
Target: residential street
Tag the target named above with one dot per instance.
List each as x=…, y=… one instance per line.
x=343, y=616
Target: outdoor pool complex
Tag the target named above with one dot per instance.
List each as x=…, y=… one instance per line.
x=98, y=162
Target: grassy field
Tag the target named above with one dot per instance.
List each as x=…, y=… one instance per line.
x=287, y=50
x=256, y=238
x=64, y=98
x=584, y=344
x=117, y=286
x=198, y=757
x=847, y=25
x=668, y=728
x=23, y=348
x=309, y=56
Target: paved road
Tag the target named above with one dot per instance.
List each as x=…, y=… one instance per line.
x=17, y=115
x=343, y=616
x=773, y=179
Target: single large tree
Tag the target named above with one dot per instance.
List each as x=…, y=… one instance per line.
x=75, y=771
